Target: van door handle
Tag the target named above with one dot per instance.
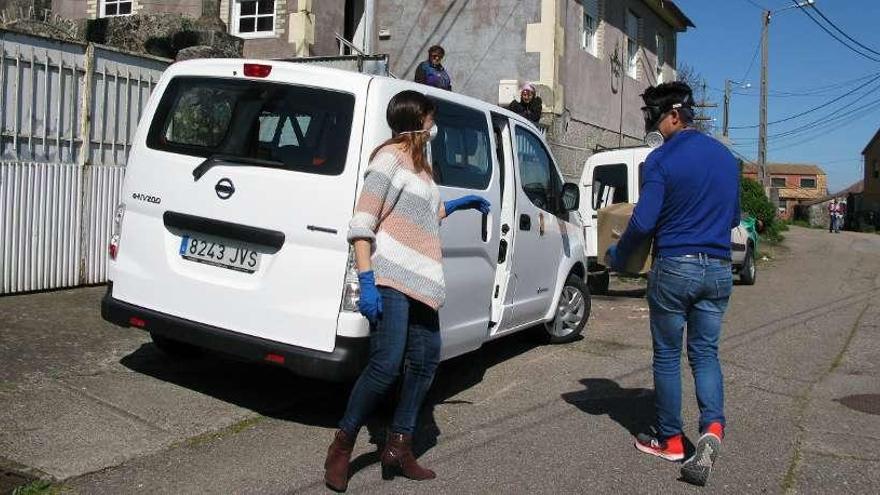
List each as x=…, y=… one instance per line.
x=525, y=222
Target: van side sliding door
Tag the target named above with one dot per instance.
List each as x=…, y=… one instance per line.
x=464, y=162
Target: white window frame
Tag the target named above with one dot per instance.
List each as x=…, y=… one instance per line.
x=236, y=16
x=662, y=48
x=590, y=27
x=117, y=2
x=631, y=22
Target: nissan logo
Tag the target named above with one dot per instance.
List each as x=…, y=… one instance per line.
x=224, y=188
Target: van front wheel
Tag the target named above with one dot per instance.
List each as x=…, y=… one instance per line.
x=572, y=313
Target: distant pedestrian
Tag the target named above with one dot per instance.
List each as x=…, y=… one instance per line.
x=432, y=72
x=689, y=201
x=529, y=104
x=832, y=216
x=841, y=215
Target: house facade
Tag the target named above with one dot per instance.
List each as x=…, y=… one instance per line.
x=589, y=59
x=871, y=157
x=796, y=183
x=270, y=28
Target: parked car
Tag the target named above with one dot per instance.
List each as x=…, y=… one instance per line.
x=614, y=176
x=238, y=192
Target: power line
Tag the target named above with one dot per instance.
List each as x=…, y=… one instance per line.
x=841, y=31
x=822, y=26
x=816, y=91
x=811, y=110
x=752, y=63
x=756, y=4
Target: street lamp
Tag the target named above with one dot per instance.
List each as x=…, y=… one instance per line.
x=725, y=135
x=763, y=177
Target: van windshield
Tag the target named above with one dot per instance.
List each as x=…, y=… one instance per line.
x=298, y=128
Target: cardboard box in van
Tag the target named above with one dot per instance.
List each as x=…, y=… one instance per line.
x=611, y=224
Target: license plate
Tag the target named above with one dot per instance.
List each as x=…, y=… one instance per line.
x=220, y=252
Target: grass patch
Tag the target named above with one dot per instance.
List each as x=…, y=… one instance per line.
x=218, y=434
x=39, y=487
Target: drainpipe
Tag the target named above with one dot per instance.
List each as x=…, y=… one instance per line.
x=369, y=27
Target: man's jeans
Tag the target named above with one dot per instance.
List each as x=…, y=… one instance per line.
x=692, y=292
x=407, y=328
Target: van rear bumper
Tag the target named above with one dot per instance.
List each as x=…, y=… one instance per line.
x=343, y=364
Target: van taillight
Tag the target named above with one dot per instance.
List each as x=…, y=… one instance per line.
x=137, y=322
x=113, y=248
x=257, y=70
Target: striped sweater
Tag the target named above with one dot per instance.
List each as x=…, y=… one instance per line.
x=398, y=212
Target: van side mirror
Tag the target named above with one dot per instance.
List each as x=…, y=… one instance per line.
x=571, y=196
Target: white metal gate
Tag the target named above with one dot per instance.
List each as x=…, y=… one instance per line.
x=68, y=112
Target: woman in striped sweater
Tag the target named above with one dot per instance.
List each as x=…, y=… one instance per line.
x=395, y=232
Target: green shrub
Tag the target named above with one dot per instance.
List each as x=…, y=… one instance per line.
x=754, y=202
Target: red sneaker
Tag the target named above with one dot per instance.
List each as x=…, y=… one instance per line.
x=716, y=429
x=671, y=449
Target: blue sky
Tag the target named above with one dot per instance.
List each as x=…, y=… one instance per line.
x=807, y=69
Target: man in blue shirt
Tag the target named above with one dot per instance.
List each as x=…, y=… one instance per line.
x=688, y=203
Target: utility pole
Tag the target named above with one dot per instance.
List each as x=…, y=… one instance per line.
x=725, y=122
x=704, y=103
x=763, y=177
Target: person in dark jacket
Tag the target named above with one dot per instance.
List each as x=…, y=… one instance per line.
x=432, y=72
x=529, y=104
x=689, y=201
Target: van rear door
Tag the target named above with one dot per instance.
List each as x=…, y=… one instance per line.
x=254, y=180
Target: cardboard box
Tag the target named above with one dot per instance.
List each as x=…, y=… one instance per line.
x=611, y=224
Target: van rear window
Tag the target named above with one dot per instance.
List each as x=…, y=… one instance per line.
x=300, y=128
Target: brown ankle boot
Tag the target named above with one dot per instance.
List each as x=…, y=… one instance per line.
x=338, y=458
x=398, y=458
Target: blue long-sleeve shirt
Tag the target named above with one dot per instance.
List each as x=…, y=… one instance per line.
x=689, y=199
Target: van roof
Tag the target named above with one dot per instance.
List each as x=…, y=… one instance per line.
x=222, y=65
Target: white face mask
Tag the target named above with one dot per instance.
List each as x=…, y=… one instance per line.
x=432, y=132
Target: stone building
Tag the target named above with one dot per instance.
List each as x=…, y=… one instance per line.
x=796, y=183
x=871, y=156
x=269, y=28
x=589, y=59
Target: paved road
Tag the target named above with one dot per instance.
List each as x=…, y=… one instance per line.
x=99, y=410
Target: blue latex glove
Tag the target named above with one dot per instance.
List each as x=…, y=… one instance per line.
x=370, y=302
x=613, y=261
x=469, y=202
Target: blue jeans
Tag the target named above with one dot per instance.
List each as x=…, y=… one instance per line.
x=407, y=329
x=692, y=292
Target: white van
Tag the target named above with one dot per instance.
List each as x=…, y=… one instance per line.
x=615, y=176
x=239, y=188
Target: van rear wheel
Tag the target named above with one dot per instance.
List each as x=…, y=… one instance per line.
x=572, y=313
x=174, y=348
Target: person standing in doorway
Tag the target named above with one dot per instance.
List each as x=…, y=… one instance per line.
x=841, y=215
x=689, y=202
x=529, y=105
x=432, y=72
x=395, y=232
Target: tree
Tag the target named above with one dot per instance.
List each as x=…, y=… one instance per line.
x=688, y=75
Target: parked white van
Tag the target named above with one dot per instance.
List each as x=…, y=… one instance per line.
x=239, y=188
x=615, y=176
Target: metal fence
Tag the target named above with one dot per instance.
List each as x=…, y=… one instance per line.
x=68, y=112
